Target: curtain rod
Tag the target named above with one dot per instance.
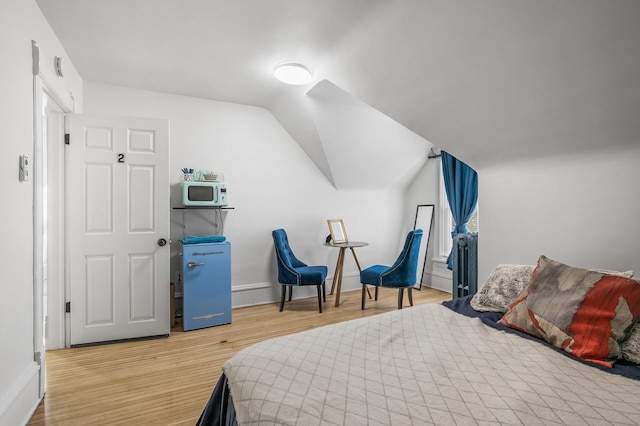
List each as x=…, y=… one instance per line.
x=433, y=154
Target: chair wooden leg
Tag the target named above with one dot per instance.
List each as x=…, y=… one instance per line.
x=324, y=292
x=400, y=297
x=376, y=292
x=364, y=286
x=290, y=292
x=319, y=287
x=410, y=293
x=282, y=296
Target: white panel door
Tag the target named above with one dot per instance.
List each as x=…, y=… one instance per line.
x=118, y=226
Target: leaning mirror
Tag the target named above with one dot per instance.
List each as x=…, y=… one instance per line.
x=338, y=233
x=424, y=221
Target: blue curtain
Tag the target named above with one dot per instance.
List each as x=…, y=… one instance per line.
x=461, y=185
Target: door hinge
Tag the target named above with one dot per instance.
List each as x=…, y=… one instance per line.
x=37, y=358
x=67, y=307
x=66, y=139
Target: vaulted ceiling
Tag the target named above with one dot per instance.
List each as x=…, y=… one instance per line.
x=487, y=80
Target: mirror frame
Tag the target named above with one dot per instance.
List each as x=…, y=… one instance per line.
x=424, y=221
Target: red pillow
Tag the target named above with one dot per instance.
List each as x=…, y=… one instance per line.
x=586, y=313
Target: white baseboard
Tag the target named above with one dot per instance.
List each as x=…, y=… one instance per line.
x=269, y=292
x=20, y=400
x=438, y=280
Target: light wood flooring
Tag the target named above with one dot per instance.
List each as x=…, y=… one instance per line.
x=168, y=381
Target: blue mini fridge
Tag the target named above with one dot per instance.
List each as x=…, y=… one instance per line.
x=206, y=285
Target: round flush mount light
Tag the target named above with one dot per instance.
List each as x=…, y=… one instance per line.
x=292, y=73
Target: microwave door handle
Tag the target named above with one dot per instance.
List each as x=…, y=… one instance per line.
x=215, y=194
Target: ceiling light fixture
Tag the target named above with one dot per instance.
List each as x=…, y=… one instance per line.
x=292, y=73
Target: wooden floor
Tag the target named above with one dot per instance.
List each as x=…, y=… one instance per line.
x=169, y=381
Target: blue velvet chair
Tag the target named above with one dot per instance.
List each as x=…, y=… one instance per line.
x=292, y=272
x=400, y=275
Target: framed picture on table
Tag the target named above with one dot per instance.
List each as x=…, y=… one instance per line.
x=338, y=233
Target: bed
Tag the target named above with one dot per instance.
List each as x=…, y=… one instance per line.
x=429, y=364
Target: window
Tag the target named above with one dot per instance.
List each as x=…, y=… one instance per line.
x=447, y=224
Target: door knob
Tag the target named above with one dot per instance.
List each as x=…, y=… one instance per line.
x=194, y=264
x=162, y=242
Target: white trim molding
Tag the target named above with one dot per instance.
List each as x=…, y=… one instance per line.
x=250, y=287
x=21, y=399
x=254, y=294
x=444, y=221
x=439, y=277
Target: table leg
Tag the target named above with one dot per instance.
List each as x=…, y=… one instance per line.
x=336, y=273
x=339, y=273
x=353, y=252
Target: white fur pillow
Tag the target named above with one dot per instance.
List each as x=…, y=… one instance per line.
x=631, y=347
x=501, y=288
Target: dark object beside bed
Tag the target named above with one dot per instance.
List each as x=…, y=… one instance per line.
x=220, y=411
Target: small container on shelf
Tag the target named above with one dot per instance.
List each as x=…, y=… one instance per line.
x=188, y=174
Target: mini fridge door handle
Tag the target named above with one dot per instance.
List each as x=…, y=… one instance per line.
x=194, y=264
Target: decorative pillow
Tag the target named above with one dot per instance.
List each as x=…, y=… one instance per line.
x=586, y=313
x=626, y=274
x=501, y=288
x=631, y=347
x=506, y=281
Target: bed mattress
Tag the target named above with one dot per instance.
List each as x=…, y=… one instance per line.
x=423, y=365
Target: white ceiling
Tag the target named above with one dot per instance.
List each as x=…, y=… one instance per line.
x=487, y=80
x=215, y=49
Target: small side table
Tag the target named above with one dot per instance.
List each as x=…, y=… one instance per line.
x=337, y=276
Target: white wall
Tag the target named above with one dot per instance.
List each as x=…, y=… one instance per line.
x=425, y=190
x=272, y=184
x=21, y=22
x=581, y=209
x=365, y=149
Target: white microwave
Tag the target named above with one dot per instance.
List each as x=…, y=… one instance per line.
x=204, y=194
